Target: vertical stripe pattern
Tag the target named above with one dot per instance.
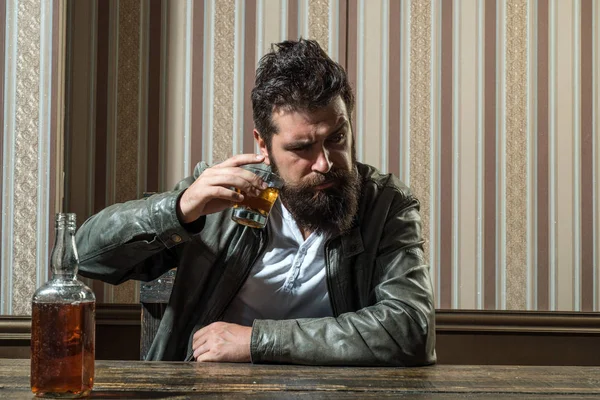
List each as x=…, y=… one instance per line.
x=111, y=117
x=434, y=134
x=393, y=90
x=487, y=110
x=100, y=133
x=26, y=144
x=576, y=109
x=351, y=58
x=238, y=79
x=57, y=121
x=466, y=135
x=405, y=94
x=384, y=65
x=420, y=108
x=370, y=58
x=223, y=63
x=531, y=157
x=127, y=119
x=249, y=68
x=154, y=94
x=319, y=22
x=552, y=133
x=27, y=64
x=501, y=119
x=142, y=103
x=542, y=203
x=516, y=155
x=2, y=131
x=480, y=171
x=489, y=163
x=596, y=146
x=44, y=141
x=562, y=88
x=586, y=83
x=175, y=135
x=8, y=159
x=445, y=199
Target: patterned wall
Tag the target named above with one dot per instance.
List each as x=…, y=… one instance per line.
x=145, y=105
x=30, y=115
x=487, y=109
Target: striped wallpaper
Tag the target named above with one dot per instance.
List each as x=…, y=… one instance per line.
x=30, y=116
x=487, y=109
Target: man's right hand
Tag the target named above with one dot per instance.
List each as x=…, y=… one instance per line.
x=212, y=192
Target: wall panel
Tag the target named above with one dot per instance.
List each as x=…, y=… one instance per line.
x=488, y=110
x=28, y=50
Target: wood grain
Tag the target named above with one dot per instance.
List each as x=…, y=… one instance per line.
x=138, y=379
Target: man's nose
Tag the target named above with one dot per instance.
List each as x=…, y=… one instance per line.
x=322, y=164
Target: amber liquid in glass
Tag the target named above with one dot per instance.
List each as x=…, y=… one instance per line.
x=261, y=204
x=62, y=344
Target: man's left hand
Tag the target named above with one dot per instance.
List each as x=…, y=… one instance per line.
x=222, y=341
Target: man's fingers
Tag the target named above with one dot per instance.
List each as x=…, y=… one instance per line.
x=201, y=351
x=221, y=341
x=219, y=193
x=239, y=182
x=206, y=357
x=200, y=336
x=216, y=183
x=241, y=159
x=199, y=340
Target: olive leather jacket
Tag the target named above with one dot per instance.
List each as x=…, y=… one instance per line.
x=378, y=280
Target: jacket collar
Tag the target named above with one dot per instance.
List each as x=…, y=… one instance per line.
x=352, y=242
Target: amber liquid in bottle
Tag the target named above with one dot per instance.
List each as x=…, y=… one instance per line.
x=62, y=348
x=63, y=324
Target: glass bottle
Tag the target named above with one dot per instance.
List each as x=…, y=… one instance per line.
x=63, y=323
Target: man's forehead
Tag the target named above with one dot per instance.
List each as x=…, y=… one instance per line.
x=298, y=121
x=296, y=127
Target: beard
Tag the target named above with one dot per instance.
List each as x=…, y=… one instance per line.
x=330, y=210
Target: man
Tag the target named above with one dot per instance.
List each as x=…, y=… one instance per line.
x=336, y=277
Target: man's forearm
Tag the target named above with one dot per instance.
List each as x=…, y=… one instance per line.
x=125, y=241
x=376, y=336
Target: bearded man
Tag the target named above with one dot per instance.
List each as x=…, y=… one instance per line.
x=337, y=276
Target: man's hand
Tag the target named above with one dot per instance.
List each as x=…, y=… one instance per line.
x=222, y=341
x=211, y=192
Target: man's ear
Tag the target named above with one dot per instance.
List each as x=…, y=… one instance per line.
x=262, y=146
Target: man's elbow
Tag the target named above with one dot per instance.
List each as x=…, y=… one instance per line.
x=418, y=349
x=420, y=354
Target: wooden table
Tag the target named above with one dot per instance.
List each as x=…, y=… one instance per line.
x=162, y=380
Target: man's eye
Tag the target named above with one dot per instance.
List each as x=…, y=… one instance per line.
x=300, y=149
x=337, y=138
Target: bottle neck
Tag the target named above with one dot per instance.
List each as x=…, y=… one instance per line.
x=65, y=261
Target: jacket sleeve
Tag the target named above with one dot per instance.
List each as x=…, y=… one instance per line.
x=134, y=240
x=397, y=329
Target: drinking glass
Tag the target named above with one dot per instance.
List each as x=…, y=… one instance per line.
x=254, y=211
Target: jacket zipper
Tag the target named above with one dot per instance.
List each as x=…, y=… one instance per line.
x=261, y=250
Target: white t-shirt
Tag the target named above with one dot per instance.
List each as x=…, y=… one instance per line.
x=288, y=281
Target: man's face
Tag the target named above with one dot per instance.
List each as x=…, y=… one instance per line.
x=313, y=152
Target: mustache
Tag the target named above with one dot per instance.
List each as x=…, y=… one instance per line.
x=336, y=175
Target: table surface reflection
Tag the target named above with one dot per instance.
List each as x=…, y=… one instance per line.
x=178, y=380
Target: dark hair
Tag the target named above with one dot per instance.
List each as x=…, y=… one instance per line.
x=296, y=75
